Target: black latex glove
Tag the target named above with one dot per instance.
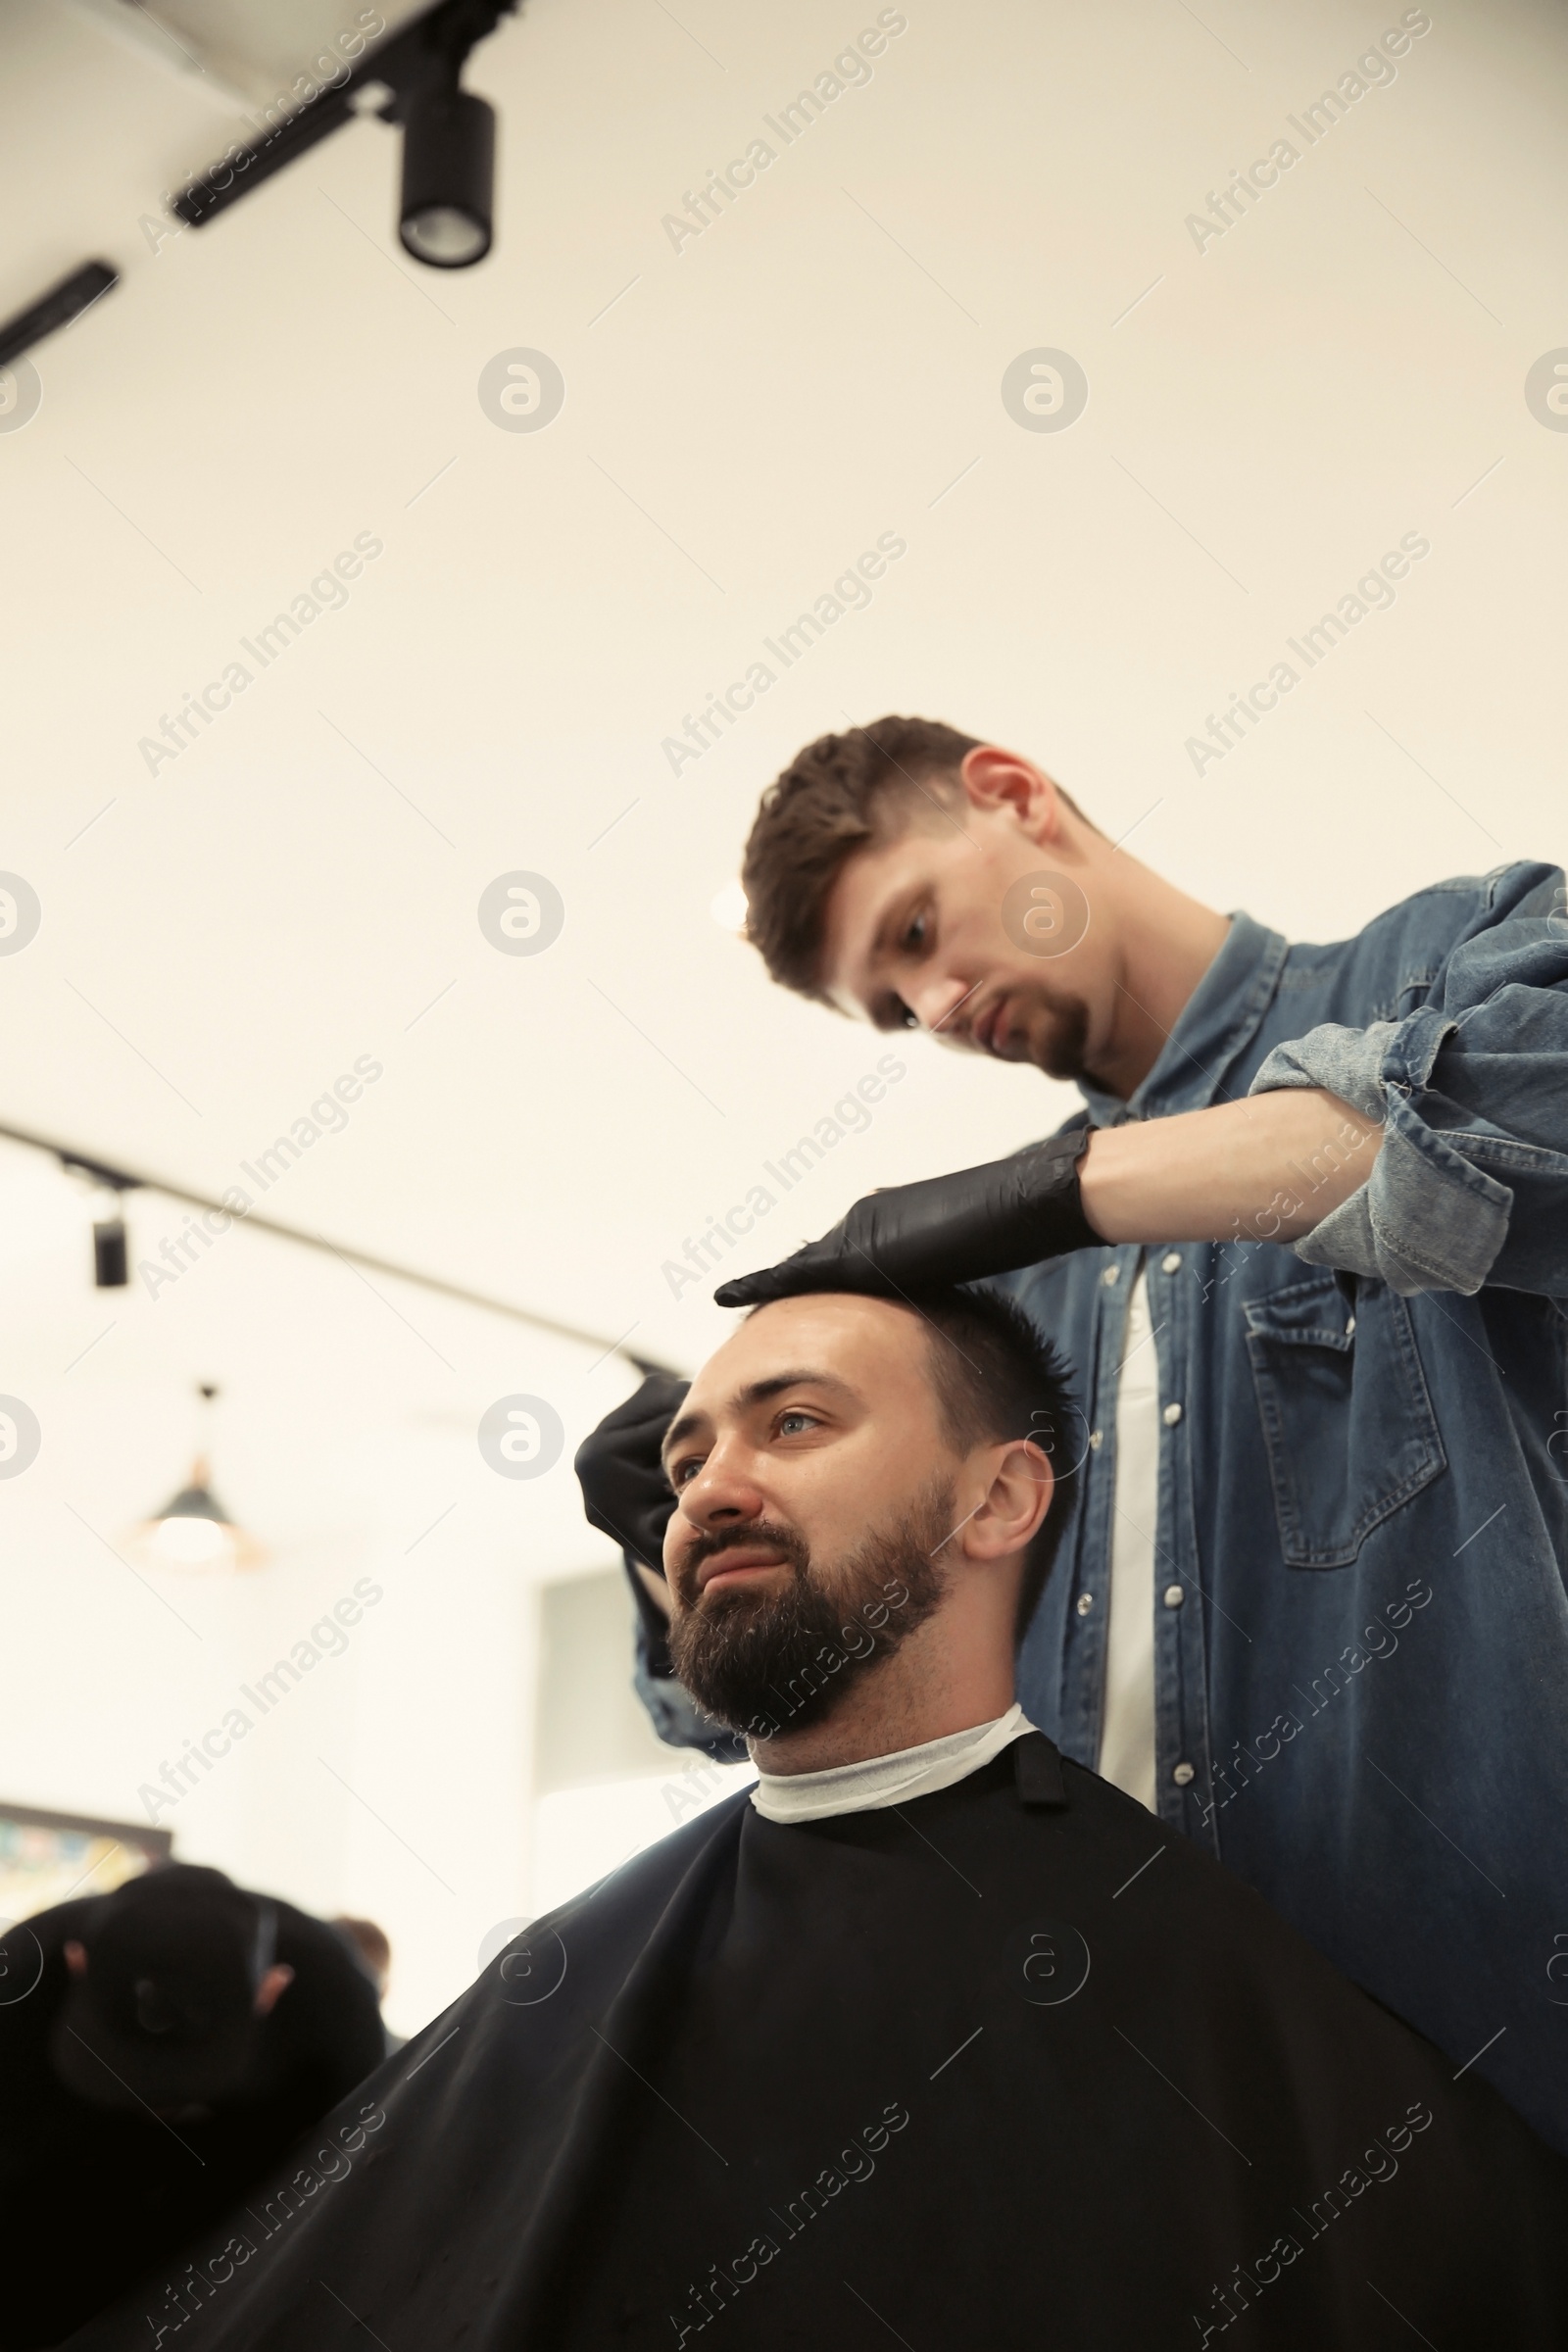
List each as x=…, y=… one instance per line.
x=625, y=1491
x=1011, y=1212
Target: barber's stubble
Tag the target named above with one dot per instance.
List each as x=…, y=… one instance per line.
x=1054, y=1033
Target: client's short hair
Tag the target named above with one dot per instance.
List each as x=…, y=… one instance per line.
x=997, y=1376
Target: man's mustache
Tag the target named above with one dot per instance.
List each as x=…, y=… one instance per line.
x=713, y=1540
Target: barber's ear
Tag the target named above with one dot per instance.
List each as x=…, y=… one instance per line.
x=276, y=1980
x=76, y=1958
x=1016, y=1502
x=994, y=779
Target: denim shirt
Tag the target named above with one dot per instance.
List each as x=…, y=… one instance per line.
x=1361, y=1627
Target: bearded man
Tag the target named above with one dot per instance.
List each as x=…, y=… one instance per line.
x=932, y=2036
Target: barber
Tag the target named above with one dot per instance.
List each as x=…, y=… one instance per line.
x=1307, y=1256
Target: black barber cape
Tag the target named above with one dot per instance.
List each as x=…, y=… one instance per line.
x=1006, y=2066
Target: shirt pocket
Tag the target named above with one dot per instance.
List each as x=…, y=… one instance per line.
x=1348, y=1423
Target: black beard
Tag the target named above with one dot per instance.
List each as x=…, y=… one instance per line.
x=763, y=1663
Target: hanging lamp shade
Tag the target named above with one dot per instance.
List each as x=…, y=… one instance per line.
x=193, y=1530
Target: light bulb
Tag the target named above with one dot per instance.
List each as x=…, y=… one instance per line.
x=190, y=1544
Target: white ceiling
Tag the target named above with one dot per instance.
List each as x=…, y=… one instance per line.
x=260, y=47
x=815, y=369
x=222, y=938
x=248, y=53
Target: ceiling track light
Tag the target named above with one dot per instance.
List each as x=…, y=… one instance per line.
x=126, y=1180
x=449, y=169
x=446, y=212
x=62, y=306
x=110, y=1254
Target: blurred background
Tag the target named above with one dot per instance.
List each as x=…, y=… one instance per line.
x=994, y=301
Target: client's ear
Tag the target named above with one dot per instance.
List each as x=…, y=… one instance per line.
x=1022, y=1483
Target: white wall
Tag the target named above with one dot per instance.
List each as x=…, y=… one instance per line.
x=395, y=1777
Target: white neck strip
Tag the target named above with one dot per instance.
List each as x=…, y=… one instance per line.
x=881, y=1781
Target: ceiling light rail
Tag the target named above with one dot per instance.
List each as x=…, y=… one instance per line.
x=446, y=212
x=118, y=1181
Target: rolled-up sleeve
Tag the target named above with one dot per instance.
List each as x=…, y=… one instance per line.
x=1470, y=1184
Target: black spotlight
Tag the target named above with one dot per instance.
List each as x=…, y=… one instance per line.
x=111, y=1254
x=109, y=1263
x=449, y=170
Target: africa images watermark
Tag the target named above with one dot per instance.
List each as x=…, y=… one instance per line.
x=1545, y=390
x=850, y=1115
x=1376, y=2164
x=1323, y=1166
x=850, y=69
x=1379, y=1640
x=850, y=593
x=327, y=593
x=856, y=2162
x=859, y=1638
x=327, y=1115
x=184, y=2296
x=1374, y=70
x=21, y=392
x=1373, y=593
x=328, y=1638
x=328, y=70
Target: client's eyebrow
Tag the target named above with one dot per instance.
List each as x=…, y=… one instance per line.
x=756, y=1391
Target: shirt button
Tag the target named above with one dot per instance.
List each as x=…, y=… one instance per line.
x=1172, y=1415
x=1171, y=1262
x=1086, y=1601
x=1349, y=1329
x=1174, y=1596
x=1182, y=1775
x=1110, y=1277
x=1097, y=1437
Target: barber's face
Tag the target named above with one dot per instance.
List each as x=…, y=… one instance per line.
x=948, y=928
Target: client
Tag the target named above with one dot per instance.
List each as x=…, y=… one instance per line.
x=933, y=2038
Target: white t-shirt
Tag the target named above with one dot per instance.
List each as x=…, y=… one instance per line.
x=1127, y=1731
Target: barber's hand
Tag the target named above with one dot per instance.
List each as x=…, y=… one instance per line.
x=625, y=1491
x=987, y=1220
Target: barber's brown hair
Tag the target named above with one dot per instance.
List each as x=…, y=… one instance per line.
x=836, y=795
